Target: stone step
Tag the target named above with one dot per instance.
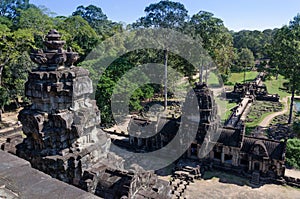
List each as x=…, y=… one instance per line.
x=255, y=178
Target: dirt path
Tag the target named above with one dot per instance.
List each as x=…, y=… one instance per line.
x=214, y=188
x=266, y=122
x=292, y=173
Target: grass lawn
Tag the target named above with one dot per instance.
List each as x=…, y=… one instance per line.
x=274, y=86
x=225, y=112
x=258, y=111
x=239, y=77
x=229, y=106
x=213, y=80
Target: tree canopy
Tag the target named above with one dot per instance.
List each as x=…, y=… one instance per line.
x=23, y=27
x=293, y=153
x=285, y=55
x=9, y=8
x=164, y=14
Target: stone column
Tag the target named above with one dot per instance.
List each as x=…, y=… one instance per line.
x=250, y=164
x=189, y=152
x=235, y=159
x=211, y=155
x=139, y=141
x=222, y=155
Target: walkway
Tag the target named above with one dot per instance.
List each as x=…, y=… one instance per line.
x=19, y=180
x=267, y=120
x=230, y=186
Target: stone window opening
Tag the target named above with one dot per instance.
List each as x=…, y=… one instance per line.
x=194, y=150
x=228, y=158
x=256, y=166
x=244, y=162
x=217, y=155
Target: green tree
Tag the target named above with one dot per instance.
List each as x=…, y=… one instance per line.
x=245, y=61
x=78, y=34
x=15, y=71
x=92, y=14
x=216, y=39
x=285, y=55
x=5, y=48
x=36, y=19
x=98, y=20
x=4, y=100
x=246, y=58
x=164, y=14
x=9, y=8
x=293, y=153
x=256, y=41
x=209, y=28
x=108, y=84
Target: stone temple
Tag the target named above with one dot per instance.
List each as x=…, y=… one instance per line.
x=63, y=138
x=257, y=158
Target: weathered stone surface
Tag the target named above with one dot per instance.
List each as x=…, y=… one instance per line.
x=62, y=134
x=58, y=90
x=19, y=180
x=54, y=57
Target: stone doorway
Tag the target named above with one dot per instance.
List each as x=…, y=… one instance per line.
x=256, y=166
x=194, y=150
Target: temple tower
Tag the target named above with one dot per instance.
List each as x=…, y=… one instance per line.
x=61, y=124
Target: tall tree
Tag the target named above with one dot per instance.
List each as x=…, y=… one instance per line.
x=92, y=14
x=4, y=100
x=164, y=14
x=209, y=28
x=216, y=38
x=256, y=41
x=36, y=19
x=78, y=34
x=246, y=60
x=98, y=20
x=9, y=8
x=5, y=48
x=286, y=50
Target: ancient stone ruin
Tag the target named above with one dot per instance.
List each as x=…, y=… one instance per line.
x=63, y=138
x=259, y=159
x=255, y=88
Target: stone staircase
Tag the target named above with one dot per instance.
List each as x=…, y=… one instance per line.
x=255, y=178
x=181, y=179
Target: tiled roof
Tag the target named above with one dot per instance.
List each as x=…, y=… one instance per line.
x=230, y=137
x=275, y=149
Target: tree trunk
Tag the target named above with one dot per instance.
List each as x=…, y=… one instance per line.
x=292, y=105
x=206, y=75
x=201, y=73
x=166, y=81
x=1, y=69
x=244, y=74
x=0, y=115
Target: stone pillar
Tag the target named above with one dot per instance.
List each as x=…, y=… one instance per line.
x=211, y=155
x=189, y=152
x=139, y=142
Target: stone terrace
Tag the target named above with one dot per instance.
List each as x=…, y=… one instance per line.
x=19, y=180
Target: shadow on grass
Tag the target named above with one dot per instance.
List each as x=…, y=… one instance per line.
x=228, y=178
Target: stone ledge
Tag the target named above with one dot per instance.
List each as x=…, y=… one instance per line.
x=17, y=176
